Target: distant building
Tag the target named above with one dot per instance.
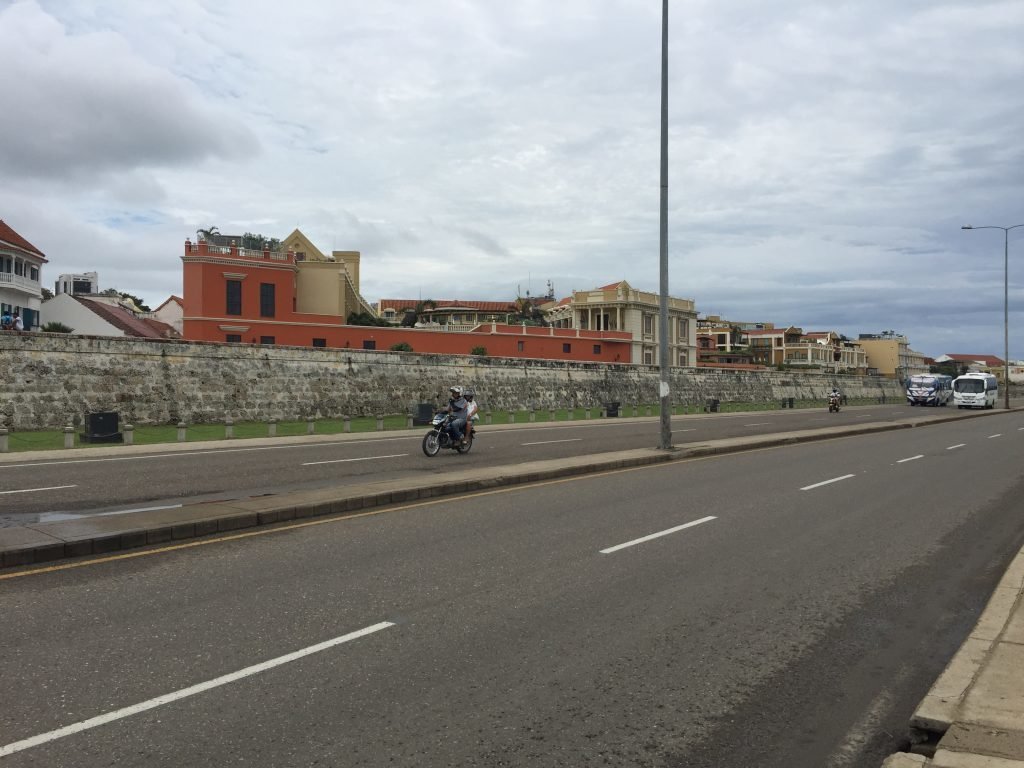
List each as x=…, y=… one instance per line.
x=170, y=312
x=889, y=354
x=103, y=316
x=77, y=285
x=21, y=265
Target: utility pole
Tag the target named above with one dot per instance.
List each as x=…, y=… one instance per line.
x=664, y=332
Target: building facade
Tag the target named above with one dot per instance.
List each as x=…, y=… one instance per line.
x=889, y=354
x=21, y=265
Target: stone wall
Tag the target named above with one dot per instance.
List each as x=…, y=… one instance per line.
x=49, y=380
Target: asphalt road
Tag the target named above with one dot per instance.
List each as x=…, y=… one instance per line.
x=795, y=607
x=91, y=481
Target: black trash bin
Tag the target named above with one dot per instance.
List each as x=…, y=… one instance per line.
x=612, y=409
x=424, y=414
x=791, y=402
x=101, y=427
x=714, y=404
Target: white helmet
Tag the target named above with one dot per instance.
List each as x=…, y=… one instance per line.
x=456, y=390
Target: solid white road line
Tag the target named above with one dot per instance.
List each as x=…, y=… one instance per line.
x=991, y=436
x=826, y=482
x=617, y=547
x=548, y=442
x=958, y=445
x=912, y=458
x=33, y=490
x=167, y=698
x=759, y=424
x=361, y=458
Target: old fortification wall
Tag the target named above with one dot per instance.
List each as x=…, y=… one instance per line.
x=50, y=380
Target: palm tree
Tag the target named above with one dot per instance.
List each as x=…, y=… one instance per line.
x=207, y=234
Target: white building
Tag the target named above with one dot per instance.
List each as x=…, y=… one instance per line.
x=21, y=265
x=83, y=284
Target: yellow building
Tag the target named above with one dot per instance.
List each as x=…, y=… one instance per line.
x=620, y=307
x=325, y=285
x=890, y=355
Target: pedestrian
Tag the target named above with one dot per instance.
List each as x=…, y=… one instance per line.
x=18, y=324
x=6, y=321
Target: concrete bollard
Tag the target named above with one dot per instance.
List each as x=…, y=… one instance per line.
x=4, y=443
x=636, y=410
x=310, y=425
x=551, y=414
x=69, y=437
x=586, y=414
x=129, y=434
x=533, y=415
x=604, y=413
x=650, y=412
x=408, y=421
x=272, y=428
x=380, y=423
x=229, y=428
x=571, y=415
x=487, y=418
x=346, y=422
x=181, y=431
x=511, y=417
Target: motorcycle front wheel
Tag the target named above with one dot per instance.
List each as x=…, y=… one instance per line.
x=431, y=445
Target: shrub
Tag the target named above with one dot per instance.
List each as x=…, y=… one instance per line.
x=55, y=327
x=402, y=346
x=481, y=351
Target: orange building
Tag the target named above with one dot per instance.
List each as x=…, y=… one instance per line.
x=234, y=294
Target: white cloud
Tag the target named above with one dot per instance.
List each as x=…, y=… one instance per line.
x=822, y=156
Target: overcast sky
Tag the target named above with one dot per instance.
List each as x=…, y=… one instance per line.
x=823, y=155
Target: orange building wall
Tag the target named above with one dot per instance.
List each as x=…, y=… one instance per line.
x=205, y=294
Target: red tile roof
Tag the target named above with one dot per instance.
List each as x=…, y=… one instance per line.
x=8, y=235
x=123, y=320
x=990, y=360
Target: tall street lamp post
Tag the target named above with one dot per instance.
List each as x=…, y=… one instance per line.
x=1006, y=306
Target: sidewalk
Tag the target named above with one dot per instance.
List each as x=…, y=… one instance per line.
x=973, y=717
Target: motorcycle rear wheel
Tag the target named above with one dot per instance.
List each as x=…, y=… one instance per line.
x=431, y=445
x=465, y=448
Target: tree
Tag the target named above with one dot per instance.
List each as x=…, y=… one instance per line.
x=130, y=297
x=526, y=313
x=365, y=318
x=208, y=233
x=55, y=327
x=47, y=294
x=258, y=242
x=412, y=315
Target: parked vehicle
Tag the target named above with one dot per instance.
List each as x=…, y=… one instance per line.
x=933, y=389
x=833, y=402
x=975, y=390
x=440, y=436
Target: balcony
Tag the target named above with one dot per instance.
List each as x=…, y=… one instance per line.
x=20, y=283
x=203, y=248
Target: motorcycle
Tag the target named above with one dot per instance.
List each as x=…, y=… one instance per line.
x=440, y=436
x=833, y=403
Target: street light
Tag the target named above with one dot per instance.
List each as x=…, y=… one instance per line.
x=1006, y=306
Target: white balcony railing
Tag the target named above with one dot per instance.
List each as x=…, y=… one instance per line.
x=11, y=280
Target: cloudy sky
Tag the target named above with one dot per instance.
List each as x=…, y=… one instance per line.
x=823, y=155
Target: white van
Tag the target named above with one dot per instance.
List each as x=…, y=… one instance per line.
x=975, y=390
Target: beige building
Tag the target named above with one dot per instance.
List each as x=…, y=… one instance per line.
x=620, y=307
x=826, y=350
x=890, y=355
x=325, y=285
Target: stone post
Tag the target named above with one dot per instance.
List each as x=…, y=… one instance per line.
x=408, y=421
x=487, y=418
x=586, y=414
x=346, y=423
x=571, y=414
x=649, y=412
x=511, y=417
x=310, y=425
x=533, y=414
x=272, y=428
x=181, y=431
x=129, y=434
x=4, y=444
x=380, y=423
x=229, y=428
x=636, y=409
x=69, y=437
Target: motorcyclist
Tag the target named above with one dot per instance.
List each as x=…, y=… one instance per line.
x=835, y=393
x=472, y=407
x=458, y=408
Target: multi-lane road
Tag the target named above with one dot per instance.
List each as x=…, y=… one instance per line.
x=108, y=480
x=781, y=607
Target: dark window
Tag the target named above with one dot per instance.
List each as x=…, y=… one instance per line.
x=319, y=342
x=369, y=345
x=234, y=338
x=234, y=297
x=266, y=339
x=266, y=299
x=597, y=349
x=567, y=347
x=521, y=345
